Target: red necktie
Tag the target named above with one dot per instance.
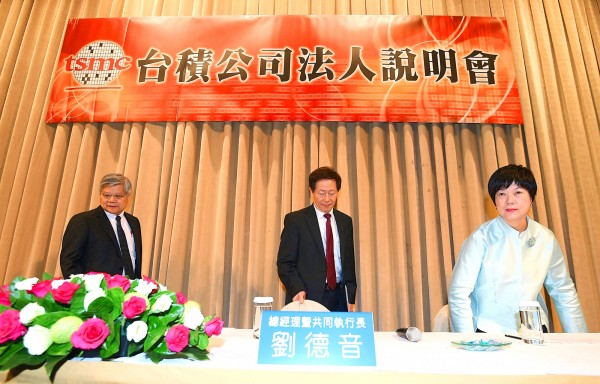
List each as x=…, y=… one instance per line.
x=331, y=279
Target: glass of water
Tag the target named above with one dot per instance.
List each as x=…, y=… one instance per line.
x=531, y=322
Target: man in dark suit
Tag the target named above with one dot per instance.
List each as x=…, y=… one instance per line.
x=105, y=239
x=302, y=260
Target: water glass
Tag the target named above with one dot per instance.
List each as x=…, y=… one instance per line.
x=531, y=322
x=260, y=304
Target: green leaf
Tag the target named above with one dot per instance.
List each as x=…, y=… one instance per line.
x=112, y=342
x=203, y=341
x=77, y=303
x=48, y=319
x=175, y=313
x=47, y=276
x=102, y=308
x=188, y=352
x=156, y=330
x=163, y=349
x=20, y=298
x=58, y=350
x=155, y=357
x=117, y=296
x=194, y=336
x=50, y=305
x=133, y=348
x=52, y=365
x=195, y=353
x=160, y=352
x=22, y=357
x=9, y=353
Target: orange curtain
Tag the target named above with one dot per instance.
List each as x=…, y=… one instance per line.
x=211, y=196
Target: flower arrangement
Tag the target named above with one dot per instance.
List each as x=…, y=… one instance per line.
x=51, y=320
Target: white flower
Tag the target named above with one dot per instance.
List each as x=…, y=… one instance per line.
x=37, y=340
x=145, y=287
x=57, y=283
x=30, y=312
x=92, y=282
x=192, y=317
x=161, y=288
x=73, y=276
x=161, y=304
x=137, y=331
x=91, y=296
x=27, y=284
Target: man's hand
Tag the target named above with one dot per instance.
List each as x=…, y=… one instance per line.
x=300, y=297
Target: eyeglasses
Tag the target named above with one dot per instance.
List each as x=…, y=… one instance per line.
x=108, y=196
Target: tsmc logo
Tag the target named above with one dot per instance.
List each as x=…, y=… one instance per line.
x=97, y=63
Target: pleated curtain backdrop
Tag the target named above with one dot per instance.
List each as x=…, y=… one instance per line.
x=211, y=196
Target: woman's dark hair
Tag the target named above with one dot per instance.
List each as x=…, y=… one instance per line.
x=324, y=173
x=512, y=173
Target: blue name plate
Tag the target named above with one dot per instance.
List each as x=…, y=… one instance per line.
x=317, y=338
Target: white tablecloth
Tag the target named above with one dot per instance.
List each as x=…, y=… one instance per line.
x=562, y=358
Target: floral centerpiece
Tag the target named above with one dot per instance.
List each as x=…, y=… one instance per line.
x=51, y=320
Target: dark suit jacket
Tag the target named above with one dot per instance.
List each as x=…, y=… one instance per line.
x=90, y=244
x=301, y=263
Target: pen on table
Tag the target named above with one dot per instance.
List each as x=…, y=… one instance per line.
x=513, y=337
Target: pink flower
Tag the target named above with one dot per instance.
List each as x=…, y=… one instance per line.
x=106, y=275
x=118, y=281
x=5, y=295
x=134, y=307
x=177, y=338
x=213, y=327
x=90, y=335
x=181, y=299
x=42, y=288
x=65, y=292
x=10, y=326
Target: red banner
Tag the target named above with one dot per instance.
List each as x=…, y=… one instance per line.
x=286, y=68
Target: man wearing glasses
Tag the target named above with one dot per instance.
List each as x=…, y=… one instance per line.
x=105, y=239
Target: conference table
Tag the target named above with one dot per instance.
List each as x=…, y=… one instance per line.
x=562, y=358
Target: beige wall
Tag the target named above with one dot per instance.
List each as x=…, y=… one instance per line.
x=211, y=196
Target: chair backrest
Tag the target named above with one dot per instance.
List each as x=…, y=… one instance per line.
x=307, y=306
x=441, y=322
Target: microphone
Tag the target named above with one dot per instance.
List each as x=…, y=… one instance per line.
x=410, y=333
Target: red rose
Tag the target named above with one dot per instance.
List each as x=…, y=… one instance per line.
x=106, y=275
x=213, y=327
x=65, y=292
x=118, y=281
x=41, y=288
x=10, y=326
x=177, y=338
x=90, y=335
x=5, y=295
x=134, y=307
x=181, y=299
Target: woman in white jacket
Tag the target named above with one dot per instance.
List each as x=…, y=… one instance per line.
x=507, y=260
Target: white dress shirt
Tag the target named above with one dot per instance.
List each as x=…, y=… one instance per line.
x=128, y=234
x=336, y=240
